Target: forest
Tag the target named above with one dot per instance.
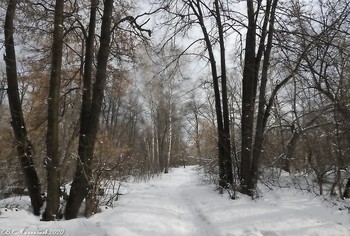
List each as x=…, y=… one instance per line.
x=93, y=92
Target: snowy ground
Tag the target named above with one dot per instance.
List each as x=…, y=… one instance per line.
x=180, y=204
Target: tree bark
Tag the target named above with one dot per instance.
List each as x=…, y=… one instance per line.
x=227, y=160
x=248, y=100
x=252, y=143
x=81, y=183
x=80, y=186
x=52, y=138
x=23, y=145
x=263, y=112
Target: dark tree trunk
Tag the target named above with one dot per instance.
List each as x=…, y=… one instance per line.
x=252, y=143
x=90, y=203
x=223, y=180
x=227, y=160
x=23, y=145
x=161, y=135
x=81, y=183
x=198, y=144
x=248, y=100
x=290, y=150
x=52, y=141
x=346, y=193
x=263, y=111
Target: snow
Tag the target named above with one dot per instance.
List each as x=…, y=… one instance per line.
x=180, y=203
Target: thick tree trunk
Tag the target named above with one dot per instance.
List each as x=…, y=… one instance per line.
x=23, y=145
x=80, y=186
x=263, y=111
x=81, y=183
x=248, y=101
x=252, y=143
x=52, y=139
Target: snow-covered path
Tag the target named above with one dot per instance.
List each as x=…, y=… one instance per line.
x=164, y=206
x=179, y=204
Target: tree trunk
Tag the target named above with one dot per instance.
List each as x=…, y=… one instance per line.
x=223, y=149
x=290, y=150
x=346, y=193
x=248, y=100
x=198, y=144
x=81, y=183
x=263, y=113
x=23, y=145
x=227, y=160
x=161, y=132
x=52, y=138
x=170, y=142
x=153, y=148
x=252, y=143
x=84, y=188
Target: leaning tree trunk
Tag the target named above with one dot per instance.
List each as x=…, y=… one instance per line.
x=81, y=182
x=23, y=145
x=52, y=142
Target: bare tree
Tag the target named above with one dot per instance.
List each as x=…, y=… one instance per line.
x=52, y=141
x=184, y=15
x=252, y=143
x=322, y=76
x=90, y=119
x=23, y=144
